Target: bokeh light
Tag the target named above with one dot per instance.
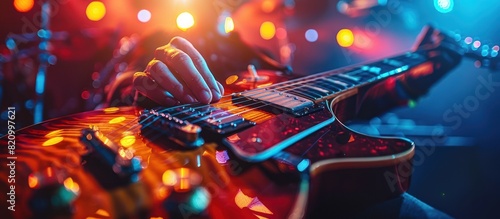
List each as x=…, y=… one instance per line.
x=85, y=95
x=468, y=40
x=95, y=11
x=144, y=16
x=267, y=30
x=444, y=6
x=185, y=21
x=345, y=38
x=311, y=35
x=23, y=5
x=228, y=24
x=476, y=44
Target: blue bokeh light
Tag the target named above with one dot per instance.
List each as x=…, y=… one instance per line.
x=444, y=6
x=311, y=35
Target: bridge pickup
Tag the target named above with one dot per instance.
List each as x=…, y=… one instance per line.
x=178, y=130
x=175, y=121
x=284, y=100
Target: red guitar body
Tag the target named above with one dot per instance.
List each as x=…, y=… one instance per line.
x=336, y=169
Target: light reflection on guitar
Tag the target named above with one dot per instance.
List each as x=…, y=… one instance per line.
x=275, y=152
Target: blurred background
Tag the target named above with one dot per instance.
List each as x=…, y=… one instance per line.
x=57, y=56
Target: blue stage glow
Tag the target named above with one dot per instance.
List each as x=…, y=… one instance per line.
x=444, y=6
x=311, y=35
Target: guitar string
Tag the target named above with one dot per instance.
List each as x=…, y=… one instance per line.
x=294, y=84
x=255, y=103
x=245, y=99
x=110, y=135
x=302, y=82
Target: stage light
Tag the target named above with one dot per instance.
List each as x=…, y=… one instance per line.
x=95, y=11
x=484, y=53
x=228, y=25
x=342, y=7
x=345, y=38
x=468, y=40
x=444, y=6
x=144, y=15
x=476, y=44
x=267, y=30
x=311, y=35
x=23, y=5
x=495, y=48
x=85, y=95
x=268, y=6
x=185, y=21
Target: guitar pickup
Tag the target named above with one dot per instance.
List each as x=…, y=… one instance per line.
x=181, y=131
x=221, y=119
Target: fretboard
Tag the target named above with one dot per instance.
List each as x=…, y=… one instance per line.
x=295, y=95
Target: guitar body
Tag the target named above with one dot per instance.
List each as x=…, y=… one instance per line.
x=330, y=170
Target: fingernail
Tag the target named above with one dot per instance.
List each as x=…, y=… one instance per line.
x=190, y=99
x=206, y=96
x=216, y=94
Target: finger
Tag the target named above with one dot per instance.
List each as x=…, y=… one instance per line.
x=147, y=87
x=199, y=63
x=183, y=65
x=221, y=88
x=166, y=80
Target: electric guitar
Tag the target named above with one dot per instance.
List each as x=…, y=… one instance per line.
x=275, y=152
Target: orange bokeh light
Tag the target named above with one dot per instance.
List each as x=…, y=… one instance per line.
x=23, y=5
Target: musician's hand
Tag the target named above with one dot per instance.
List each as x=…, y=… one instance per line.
x=178, y=73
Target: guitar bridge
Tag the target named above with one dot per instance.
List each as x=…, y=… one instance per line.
x=184, y=124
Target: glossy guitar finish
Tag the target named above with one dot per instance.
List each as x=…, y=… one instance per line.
x=349, y=163
x=275, y=152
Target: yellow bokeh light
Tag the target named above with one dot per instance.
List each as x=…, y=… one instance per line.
x=111, y=110
x=169, y=178
x=71, y=185
x=228, y=25
x=95, y=11
x=231, y=79
x=52, y=141
x=345, y=38
x=23, y=5
x=127, y=141
x=117, y=120
x=185, y=21
x=267, y=30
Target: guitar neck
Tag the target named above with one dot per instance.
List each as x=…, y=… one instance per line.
x=296, y=95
